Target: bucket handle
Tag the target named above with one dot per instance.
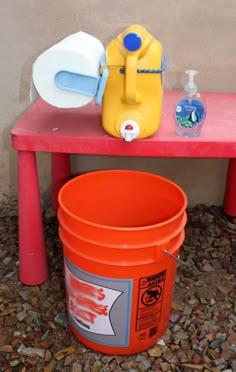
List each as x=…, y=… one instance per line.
x=175, y=258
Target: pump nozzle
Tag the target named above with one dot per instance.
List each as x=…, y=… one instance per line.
x=191, y=88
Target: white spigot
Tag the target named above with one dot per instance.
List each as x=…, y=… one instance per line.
x=129, y=130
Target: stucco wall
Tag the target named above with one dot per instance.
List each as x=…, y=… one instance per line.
x=195, y=34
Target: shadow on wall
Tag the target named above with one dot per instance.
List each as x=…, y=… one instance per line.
x=199, y=178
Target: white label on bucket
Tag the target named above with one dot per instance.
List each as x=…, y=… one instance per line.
x=98, y=307
x=90, y=305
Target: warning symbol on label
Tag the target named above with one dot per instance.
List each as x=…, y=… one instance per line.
x=151, y=296
x=151, y=289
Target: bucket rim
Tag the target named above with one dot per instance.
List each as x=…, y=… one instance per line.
x=120, y=228
x=163, y=241
x=113, y=262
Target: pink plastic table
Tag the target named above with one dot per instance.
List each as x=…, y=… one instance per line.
x=63, y=132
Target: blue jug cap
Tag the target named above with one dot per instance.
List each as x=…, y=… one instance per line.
x=132, y=41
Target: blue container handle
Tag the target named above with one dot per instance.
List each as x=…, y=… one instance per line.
x=81, y=83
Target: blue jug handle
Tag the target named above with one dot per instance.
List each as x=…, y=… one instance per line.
x=81, y=83
x=77, y=82
x=103, y=81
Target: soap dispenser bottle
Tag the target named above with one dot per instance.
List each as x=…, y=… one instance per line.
x=190, y=111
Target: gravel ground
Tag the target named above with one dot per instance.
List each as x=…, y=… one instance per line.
x=34, y=334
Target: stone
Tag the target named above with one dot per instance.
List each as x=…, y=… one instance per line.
x=49, y=367
x=194, y=367
x=50, y=213
x=208, y=268
x=175, y=316
x=6, y=349
x=220, y=296
x=227, y=263
x=29, y=351
x=232, y=339
x=232, y=317
x=225, y=351
x=193, y=301
x=232, y=348
x=14, y=363
x=25, y=293
x=20, y=348
x=212, y=302
x=182, y=356
x=61, y=319
x=181, y=335
x=26, y=306
x=107, y=359
x=76, y=367
x=196, y=358
x=155, y=352
x=70, y=359
x=6, y=260
x=198, y=349
x=32, y=360
x=45, y=335
x=175, y=347
x=48, y=356
x=221, y=336
x=219, y=361
x=21, y=315
x=45, y=344
x=206, y=359
x=215, y=344
x=34, y=301
x=187, y=310
x=16, y=333
x=216, y=264
x=175, y=306
x=233, y=365
x=169, y=356
x=213, y=354
x=203, y=301
x=64, y=352
x=222, y=242
x=203, y=343
x=165, y=367
x=224, y=289
x=228, y=277
x=145, y=365
x=175, y=328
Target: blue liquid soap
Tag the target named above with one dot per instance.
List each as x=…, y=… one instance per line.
x=190, y=111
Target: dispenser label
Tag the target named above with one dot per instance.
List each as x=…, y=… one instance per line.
x=99, y=308
x=151, y=291
x=190, y=112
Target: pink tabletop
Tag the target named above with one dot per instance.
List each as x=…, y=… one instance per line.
x=45, y=128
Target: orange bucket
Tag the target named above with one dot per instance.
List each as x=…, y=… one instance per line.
x=116, y=227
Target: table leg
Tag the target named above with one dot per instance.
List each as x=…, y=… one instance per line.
x=32, y=253
x=230, y=189
x=61, y=173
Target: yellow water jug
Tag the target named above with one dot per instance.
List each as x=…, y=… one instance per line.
x=132, y=100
